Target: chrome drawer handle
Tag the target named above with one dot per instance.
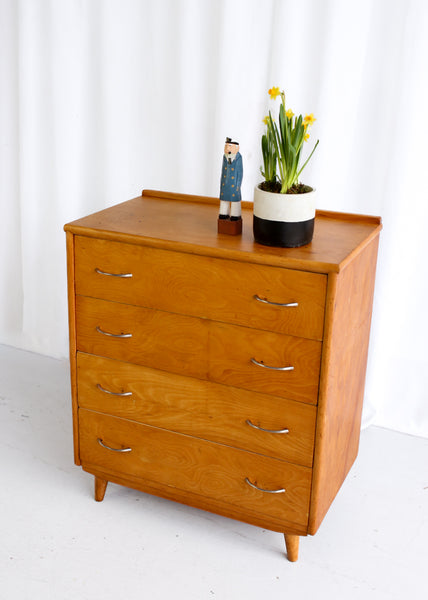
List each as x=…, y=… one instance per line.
x=260, y=364
x=265, y=301
x=113, y=393
x=115, y=335
x=248, y=422
x=113, y=449
x=280, y=491
x=112, y=274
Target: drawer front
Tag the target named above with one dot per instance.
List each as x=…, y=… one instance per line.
x=235, y=351
x=186, y=345
x=153, y=338
x=200, y=467
x=213, y=288
x=256, y=422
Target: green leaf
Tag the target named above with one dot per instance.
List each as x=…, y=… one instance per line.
x=308, y=159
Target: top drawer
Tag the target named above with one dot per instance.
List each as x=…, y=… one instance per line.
x=270, y=298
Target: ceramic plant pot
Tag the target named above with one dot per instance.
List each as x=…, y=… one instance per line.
x=284, y=220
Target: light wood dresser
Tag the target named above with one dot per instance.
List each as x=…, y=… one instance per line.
x=216, y=372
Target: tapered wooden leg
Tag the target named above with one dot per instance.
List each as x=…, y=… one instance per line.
x=292, y=545
x=100, y=488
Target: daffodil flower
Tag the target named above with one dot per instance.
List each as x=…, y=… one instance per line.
x=274, y=92
x=309, y=119
x=282, y=144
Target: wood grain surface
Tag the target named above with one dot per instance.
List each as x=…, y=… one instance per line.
x=201, y=467
x=200, y=408
x=161, y=340
x=222, y=290
x=232, y=348
x=200, y=348
x=146, y=220
x=342, y=378
x=198, y=403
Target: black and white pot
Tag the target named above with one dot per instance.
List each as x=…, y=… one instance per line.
x=285, y=220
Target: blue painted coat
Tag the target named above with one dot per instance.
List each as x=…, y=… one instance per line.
x=231, y=179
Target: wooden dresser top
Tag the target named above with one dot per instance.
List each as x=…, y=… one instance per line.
x=189, y=224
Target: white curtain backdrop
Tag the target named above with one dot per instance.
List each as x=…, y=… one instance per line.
x=102, y=98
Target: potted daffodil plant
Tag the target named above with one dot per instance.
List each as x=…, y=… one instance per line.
x=284, y=208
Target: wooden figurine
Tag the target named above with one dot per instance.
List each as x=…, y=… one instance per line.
x=229, y=219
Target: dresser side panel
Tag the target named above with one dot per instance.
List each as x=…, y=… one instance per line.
x=72, y=339
x=343, y=371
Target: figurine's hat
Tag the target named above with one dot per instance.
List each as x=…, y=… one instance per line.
x=229, y=141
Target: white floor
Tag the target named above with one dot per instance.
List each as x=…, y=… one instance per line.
x=57, y=543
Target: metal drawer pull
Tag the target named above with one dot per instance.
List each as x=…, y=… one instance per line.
x=260, y=364
x=113, y=449
x=113, y=274
x=248, y=422
x=115, y=335
x=287, y=305
x=280, y=491
x=113, y=393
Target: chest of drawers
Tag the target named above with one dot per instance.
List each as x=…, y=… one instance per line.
x=212, y=371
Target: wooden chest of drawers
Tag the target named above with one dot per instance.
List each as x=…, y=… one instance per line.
x=213, y=371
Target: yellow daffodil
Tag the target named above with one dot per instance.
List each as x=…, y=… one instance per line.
x=274, y=92
x=281, y=158
x=309, y=119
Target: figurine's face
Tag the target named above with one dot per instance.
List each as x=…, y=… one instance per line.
x=231, y=148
